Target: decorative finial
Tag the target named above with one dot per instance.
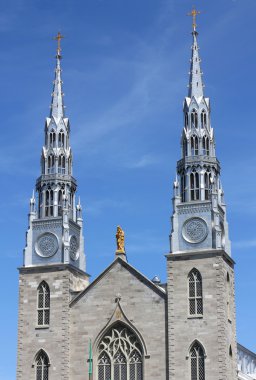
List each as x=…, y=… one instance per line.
x=194, y=13
x=120, y=240
x=59, y=37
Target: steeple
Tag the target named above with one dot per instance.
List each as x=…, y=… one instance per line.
x=57, y=104
x=195, y=77
x=195, y=74
x=56, y=216
x=197, y=188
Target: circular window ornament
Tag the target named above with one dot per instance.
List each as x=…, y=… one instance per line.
x=73, y=248
x=47, y=245
x=195, y=230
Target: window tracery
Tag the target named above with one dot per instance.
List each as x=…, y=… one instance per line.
x=120, y=355
x=194, y=145
x=194, y=119
x=43, y=304
x=197, y=362
x=194, y=186
x=42, y=365
x=195, y=293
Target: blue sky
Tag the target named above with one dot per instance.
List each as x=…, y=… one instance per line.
x=125, y=71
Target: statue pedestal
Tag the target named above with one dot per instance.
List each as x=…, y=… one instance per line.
x=121, y=254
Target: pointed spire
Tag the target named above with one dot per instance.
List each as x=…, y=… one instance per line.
x=57, y=104
x=195, y=78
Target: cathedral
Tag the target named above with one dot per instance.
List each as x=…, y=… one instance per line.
x=123, y=325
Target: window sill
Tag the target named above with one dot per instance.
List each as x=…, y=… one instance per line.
x=195, y=316
x=42, y=327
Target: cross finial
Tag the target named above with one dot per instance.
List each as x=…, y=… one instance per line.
x=59, y=37
x=194, y=13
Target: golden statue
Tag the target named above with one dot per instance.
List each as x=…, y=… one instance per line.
x=120, y=240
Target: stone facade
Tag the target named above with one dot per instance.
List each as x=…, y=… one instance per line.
x=215, y=329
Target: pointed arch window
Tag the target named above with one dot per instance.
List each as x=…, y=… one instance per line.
x=194, y=186
x=194, y=119
x=185, y=147
x=195, y=293
x=49, y=203
x=120, y=355
x=60, y=202
x=43, y=304
x=206, y=146
x=42, y=366
x=203, y=119
x=197, y=362
x=52, y=139
x=61, y=164
x=183, y=187
x=207, y=176
x=194, y=145
x=61, y=138
x=51, y=162
x=186, y=119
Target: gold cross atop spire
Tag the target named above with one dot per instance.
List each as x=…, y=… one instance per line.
x=194, y=13
x=59, y=37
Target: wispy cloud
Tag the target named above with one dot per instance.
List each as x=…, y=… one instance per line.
x=142, y=162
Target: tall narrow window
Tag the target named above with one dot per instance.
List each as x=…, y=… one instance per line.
x=195, y=293
x=194, y=186
x=52, y=139
x=43, y=304
x=61, y=141
x=183, y=187
x=49, y=203
x=203, y=119
x=120, y=355
x=194, y=119
x=61, y=164
x=60, y=200
x=186, y=119
x=197, y=362
x=51, y=162
x=206, y=146
x=207, y=176
x=194, y=145
x=42, y=365
x=185, y=147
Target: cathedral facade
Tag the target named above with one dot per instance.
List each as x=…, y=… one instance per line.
x=124, y=326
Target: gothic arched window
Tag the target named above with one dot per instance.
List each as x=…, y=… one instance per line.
x=52, y=139
x=42, y=365
x=49, y=203
x=185, y=147
x=206, y=146
x=197, y=362
x=120, y=355
x=194, y=145
x=51, y=162
x=61, y=164
x=207, y=176
x=186, y=119
x=60, y=201
x=194, y=186
x=203, y=119
x=183, y=187
x=195, y=293
x=43, y=304
x=194, y=119
x=61, y=139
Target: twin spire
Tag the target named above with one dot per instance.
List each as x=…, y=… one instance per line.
x=57, y=104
